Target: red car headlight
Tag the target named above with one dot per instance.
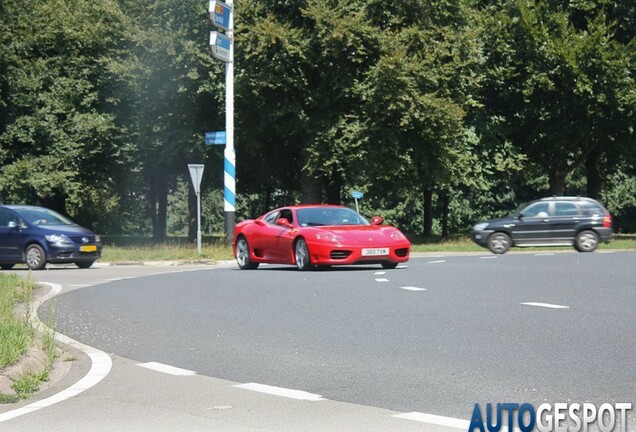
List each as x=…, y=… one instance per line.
x=397, y=235
x=329, y=237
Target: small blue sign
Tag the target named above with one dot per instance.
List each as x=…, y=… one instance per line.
x=220, y=14
x=215, y=138
x=221, y=46
x=357, y=195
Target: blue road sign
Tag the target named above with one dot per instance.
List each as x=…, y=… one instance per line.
x=221, y=46
x=357, y=195
x=220, y=14
x=215, y=138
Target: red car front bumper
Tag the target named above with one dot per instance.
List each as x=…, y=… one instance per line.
x=338, y=254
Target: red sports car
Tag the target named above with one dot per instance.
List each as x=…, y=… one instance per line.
x=318, y=235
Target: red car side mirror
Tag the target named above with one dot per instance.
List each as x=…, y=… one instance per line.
x=377, y=220
x=283, y=222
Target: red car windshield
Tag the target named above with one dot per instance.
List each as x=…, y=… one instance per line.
x=329, y=216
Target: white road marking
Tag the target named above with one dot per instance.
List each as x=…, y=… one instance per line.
x=402, y=266
x=546, y=305
x=412, y=288
x=280, y=391
x=101, y=365
x=544, y=254
x=380, y=273
x=167, y=369
x=437, y=262
x=118, y=278
x=434, y=419
x=381, y=280
x=489, y=257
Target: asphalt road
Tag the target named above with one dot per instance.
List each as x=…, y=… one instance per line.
x=435, y=337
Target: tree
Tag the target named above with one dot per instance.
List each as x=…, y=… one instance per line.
x=299, y=65
x=567, y=93
x=173, y=80
x=416, y=98
x=60, y=139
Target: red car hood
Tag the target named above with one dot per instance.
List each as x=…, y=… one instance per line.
x=363, y=233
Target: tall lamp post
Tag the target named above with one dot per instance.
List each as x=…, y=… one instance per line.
x=222, y=46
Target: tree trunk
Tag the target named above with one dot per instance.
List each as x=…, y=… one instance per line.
x=162, y=209
x=557, y=176
x=192, y=213
x=311, y=186
x=334, y=187
x=593, y=174
x=445, y=203
x=158, y=204
x=428, y=212
x=152, y=202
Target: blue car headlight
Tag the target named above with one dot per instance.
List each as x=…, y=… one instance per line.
x=481, y=226
x=58, y=239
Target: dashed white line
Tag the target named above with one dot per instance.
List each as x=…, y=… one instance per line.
x=488, y=257
x=412, y=288
x=280, y=391
x=546, y=305
x=402, y=266
x=167, y=369
x=437, y=262
x=379, y=273
x=544, y=254
x=435, y=419
x=381, y=280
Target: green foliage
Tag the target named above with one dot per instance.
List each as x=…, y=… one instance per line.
x=489, y=103
x=59, y=136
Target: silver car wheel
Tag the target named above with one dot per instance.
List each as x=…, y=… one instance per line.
x=499, y=243
x=35, y=258
x=302, y=255
x=243, y=255
x=242, y=252
x=586, y=241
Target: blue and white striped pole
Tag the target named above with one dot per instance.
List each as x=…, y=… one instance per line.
x=229, y=198
x=222, y=46
x=229, y=191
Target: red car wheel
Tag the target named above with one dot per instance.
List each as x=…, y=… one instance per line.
x=301, y=253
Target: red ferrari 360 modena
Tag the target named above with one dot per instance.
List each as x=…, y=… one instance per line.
x=318, y=235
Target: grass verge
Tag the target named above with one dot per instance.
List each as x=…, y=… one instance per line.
x=18, y=338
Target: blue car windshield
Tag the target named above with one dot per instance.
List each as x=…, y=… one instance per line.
x=329, y=216
x=44, y=217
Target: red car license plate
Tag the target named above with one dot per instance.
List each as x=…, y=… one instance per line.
x=375, y=251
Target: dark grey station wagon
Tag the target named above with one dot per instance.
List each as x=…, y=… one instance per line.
x=557, y=221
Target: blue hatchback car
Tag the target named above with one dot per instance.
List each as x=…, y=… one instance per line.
x=37, y=236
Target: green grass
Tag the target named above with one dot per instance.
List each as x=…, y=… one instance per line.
x=166, y=251
x=16, y=334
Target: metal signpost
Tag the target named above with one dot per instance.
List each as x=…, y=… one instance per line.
x=222, y=46
x=356, y=196
x=196, y=173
